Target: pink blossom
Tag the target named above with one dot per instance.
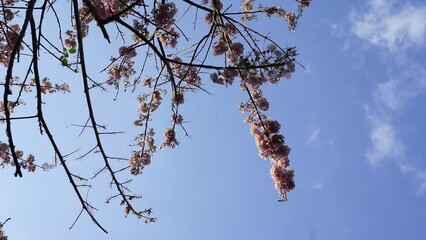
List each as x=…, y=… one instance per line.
x=4, y=147
x=228, y=75
x=217, y=4
x=282, y=178
x=169, y=37
x=255, y=80
x=234, y=53
x=170, y=139
x=128, y=52
x=230, y=29
x=138, y=161
x=262, y=104
x=178, y=98
x=216, y=79
x=220, y=47
x=164, y=15
x=272, y=126
x=209, y=18
x=177, y=118
x=280, y=155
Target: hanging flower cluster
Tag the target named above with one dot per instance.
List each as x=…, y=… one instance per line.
x=269, y=141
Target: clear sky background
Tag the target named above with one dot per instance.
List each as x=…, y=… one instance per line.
x=354, y=120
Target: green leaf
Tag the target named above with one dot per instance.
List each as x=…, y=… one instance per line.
x=72, y=50
x=64, y=61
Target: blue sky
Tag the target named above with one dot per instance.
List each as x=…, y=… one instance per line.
x=353, y=118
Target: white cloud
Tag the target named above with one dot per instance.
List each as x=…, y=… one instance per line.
x=391, y=26
x=420, y=176
x=318, y=185
x=398, y=28
x=313, y=138
x=387, y=93
x=385, y=144
x=408, y=84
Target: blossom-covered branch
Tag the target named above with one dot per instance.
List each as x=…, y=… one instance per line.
x=160, y=58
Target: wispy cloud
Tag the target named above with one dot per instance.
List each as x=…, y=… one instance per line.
x=402, y=87
x=389, y=25
x=317, y=185
x=313, y=137
x=419, y=175
x=385, y=144
x=396, y=28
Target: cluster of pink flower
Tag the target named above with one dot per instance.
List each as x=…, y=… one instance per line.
x=70, y=42
x=254, y=70
x=142, y=158
x=188, y=74
x=164, y=15
x=247, y=7
x=27, y=163
x=47, y=86
x=290, y=17
x=142, y=28
x=8, y=39
x=269, y=141
x=104, y=9
x=5, y=156
x=139, y=159
x=2, y=234
x=10, y=105
x=169, y=37
x=164, y=19
x=283, y=179
x=177, y=119
x=9, y=2
x=170, y=139
x=178, y=98
x=304, y=3
x=278, y=63
x=220, y=47
x=124, y=69
x=226, y=76
x=108, y=8
x=236, y=50
x=147, y=106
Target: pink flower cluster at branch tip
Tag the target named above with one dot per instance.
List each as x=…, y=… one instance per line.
x=170, y=139
x=282, y=178
x=28, y=163
x=269, y=141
